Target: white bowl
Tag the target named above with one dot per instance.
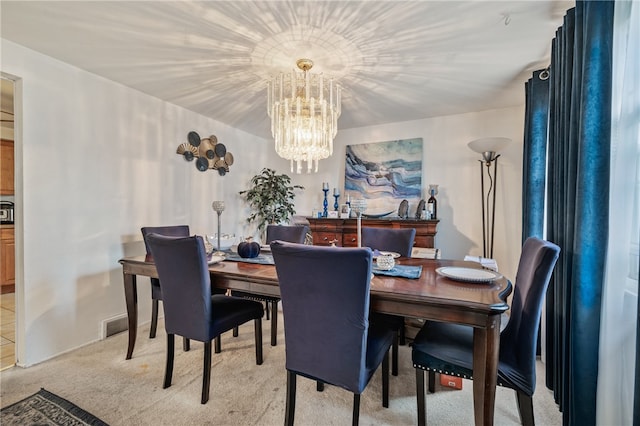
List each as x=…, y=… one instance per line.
x=226, y=241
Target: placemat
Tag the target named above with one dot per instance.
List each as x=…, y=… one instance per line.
x=263, y=259
x=403, y=271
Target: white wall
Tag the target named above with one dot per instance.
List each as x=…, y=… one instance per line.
x=99, y=162
x=448, y=161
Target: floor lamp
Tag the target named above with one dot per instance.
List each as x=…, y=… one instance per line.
x=489, y=148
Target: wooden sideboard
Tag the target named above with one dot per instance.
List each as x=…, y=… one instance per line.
x=345, y=231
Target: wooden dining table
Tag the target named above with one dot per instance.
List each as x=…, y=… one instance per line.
x=430, y=297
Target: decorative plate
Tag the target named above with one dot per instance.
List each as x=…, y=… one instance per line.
x=470, y=275
x=194, y=139
x=421, y=206
x=403, y=210
x=215, y=259
x=375, y=216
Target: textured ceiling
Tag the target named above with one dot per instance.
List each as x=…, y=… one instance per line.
x=396, y=60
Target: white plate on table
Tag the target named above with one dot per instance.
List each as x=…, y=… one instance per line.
x=470, y=275
x=215, y=259
x=392, y=253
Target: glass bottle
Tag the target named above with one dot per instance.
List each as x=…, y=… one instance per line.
x=432, y=206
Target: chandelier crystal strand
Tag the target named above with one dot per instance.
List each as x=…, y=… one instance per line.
x=304, y=124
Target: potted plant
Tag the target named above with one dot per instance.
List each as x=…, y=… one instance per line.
x=270, y=198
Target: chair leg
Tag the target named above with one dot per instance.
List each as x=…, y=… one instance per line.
x=186, y=344
x=355, y=420
x=274, y=323
x=385, y=380
x=290, y=410
x=258, y=333
x=420, y=397
x=206, y=372
x=168, y=370
x=266, y=309
x=218, y=343
x=235, y=331
x=525, y=409
x=154, y=318
x=319, y=386
x=432, y=381
x=394, y=354
x=403, y=340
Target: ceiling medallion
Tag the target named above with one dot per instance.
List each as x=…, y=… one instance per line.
x=208, y=153
x=304, y=110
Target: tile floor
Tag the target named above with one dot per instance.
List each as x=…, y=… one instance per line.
x=7, y=330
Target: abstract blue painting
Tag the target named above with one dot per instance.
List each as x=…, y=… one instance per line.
x=384, y=174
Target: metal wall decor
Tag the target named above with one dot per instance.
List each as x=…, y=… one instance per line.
x=208, y=153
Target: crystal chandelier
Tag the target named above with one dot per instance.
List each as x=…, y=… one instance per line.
x=304, y=110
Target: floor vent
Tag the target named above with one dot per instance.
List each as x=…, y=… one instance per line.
x=114, y=325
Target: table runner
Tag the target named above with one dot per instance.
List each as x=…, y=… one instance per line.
x=262, y=258
x=404, y=271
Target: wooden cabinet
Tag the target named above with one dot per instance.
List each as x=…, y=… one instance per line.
x=8, y=259
x=6, y=167
x=345, y=231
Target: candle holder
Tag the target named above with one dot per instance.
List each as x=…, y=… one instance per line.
x=359, y=206
x=335, y=204
x=218, y=207
x=325, y=203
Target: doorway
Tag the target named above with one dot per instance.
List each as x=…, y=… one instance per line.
x=7, y=232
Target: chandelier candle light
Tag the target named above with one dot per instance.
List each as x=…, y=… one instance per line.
x=304, y=110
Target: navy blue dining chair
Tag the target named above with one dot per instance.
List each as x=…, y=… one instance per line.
x=328, y=336
x=289, y=233
x=389, y=239
x=399, y=241
x=190, y=310
x=156, y=293
x=448, y=348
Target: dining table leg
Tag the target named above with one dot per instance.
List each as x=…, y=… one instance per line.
x=486, y=346
x=131, y=298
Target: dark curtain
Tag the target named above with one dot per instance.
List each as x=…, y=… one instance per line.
x=578, y=200
x=534, y=158
x=636, y=391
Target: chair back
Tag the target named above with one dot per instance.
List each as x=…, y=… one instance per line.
x=186, y=285
x=325, y=304
x=288, y=233
x=397, y=240
x=170, y=231
x=519, y=338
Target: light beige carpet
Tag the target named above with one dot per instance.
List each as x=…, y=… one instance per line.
x=99, y=379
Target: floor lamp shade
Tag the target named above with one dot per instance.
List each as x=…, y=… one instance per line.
x=489, y=148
